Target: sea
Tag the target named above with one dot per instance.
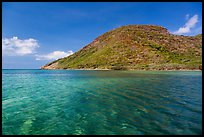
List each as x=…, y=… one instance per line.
x=101, y=102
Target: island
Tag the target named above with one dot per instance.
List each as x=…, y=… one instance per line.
x=136, y=47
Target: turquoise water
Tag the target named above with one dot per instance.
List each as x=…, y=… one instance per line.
x=101, y=102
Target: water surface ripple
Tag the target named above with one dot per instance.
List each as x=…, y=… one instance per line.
x=101, y=102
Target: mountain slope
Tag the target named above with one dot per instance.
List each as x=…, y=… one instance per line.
x=136, y=47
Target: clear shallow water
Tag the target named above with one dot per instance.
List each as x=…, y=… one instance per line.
x=101, y=102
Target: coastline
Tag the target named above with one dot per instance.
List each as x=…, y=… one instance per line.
x=131, y=69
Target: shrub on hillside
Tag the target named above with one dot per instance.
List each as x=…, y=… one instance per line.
x=119, y=67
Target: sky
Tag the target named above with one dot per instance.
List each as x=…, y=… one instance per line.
x=36, y=33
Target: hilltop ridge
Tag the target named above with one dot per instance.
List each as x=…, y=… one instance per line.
x=137, y=47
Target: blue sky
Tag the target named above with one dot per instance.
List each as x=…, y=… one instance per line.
x=35, y=33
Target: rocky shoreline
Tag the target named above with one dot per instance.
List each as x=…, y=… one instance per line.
x=132, y=69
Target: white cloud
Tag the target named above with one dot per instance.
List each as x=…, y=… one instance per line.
x=187, y=16
x=17, y=47
x=188, y=26
x=198, y=30
x=54, y=55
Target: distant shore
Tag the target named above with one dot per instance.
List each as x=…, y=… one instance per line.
x=132, y=69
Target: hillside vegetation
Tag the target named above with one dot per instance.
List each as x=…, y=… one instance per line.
x=138, y=47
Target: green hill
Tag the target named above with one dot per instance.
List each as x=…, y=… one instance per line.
x=136, y=47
